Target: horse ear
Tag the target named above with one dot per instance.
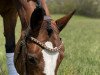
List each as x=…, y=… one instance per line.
x=37, y=18
x=61, y=23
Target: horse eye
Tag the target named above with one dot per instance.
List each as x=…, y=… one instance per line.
x=50, y=31
x=32, y=60
x=60, y=38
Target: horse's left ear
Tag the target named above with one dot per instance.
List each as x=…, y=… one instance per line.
x=37, y=18
x=61, y=23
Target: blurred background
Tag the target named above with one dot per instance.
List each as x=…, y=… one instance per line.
x=89, y=8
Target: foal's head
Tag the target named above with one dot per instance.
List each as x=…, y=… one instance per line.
x=45, y=49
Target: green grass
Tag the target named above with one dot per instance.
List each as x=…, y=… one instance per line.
x=82, y=46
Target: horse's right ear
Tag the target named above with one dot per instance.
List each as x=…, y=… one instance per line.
x=37, y=18
x=61, y=23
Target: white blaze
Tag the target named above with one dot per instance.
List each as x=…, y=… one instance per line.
x=50, y=60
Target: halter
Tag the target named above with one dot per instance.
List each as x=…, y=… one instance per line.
x=23, y=46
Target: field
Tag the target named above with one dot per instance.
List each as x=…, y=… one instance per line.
x=82, y=43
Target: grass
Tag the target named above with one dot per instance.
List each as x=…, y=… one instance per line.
x=82, y=46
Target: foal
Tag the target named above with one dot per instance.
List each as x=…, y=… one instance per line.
x=41, y=50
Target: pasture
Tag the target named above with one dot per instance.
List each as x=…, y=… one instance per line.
x=82, y=46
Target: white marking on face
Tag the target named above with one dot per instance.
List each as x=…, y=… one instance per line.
x=50, y=60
